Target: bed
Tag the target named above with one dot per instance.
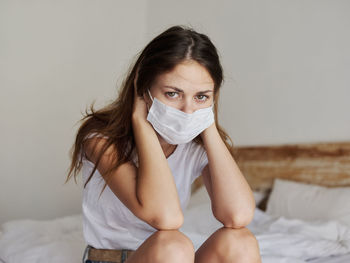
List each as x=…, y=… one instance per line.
x=302, y=192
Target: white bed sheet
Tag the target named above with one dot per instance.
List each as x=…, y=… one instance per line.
x=332, y=259
x=281, y=240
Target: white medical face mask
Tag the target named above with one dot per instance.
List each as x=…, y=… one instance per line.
x=175, y=126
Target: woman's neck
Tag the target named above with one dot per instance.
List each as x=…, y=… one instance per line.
x=168, y=149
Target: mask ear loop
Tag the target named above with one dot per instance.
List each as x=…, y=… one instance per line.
x=149, y=94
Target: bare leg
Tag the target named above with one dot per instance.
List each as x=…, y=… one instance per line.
x=164, y=246
x=227, y=245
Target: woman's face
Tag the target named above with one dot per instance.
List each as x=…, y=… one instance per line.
x=188, y=87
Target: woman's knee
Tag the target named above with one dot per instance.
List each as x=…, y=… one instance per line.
x=239, y=244
x=173, y=246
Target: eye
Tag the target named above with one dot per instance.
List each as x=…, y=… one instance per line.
x=172, y=94
x=202, y=98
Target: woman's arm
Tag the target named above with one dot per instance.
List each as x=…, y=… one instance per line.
x=155, y=186
x=232, y=199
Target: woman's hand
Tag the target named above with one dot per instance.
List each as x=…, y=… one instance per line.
x=139, y=108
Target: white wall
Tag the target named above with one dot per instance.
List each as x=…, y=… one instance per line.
x=286, y=63
x=56, y=57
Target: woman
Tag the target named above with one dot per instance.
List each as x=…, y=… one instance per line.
x=144, y=150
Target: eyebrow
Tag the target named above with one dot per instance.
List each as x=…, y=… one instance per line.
x=180, y=90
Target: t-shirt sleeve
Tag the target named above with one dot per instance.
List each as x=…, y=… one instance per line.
x=201, y=162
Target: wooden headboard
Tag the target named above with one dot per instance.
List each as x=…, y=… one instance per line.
x=326, y=164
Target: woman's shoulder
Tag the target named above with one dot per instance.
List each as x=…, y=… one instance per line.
x=88, y=145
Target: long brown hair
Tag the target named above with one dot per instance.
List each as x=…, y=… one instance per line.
x=161, y=55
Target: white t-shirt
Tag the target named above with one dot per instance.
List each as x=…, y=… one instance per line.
x=109, y=224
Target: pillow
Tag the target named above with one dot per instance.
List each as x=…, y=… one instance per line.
x=308, y=202
x=201, y=196
x=259, y=196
